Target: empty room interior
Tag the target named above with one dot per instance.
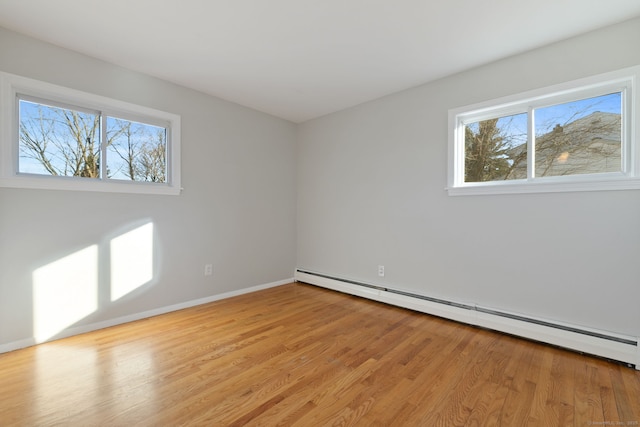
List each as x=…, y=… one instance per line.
x=410, y=213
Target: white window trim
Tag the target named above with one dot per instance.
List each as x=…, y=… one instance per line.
x=11, y=85
x=625, y=80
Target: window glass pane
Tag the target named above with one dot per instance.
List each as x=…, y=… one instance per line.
x=58, y=141
x=136, y=151
x=496, y=149
x=580, y=137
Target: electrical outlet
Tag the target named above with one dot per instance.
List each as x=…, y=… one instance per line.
x=208, y=269
x=381, y=270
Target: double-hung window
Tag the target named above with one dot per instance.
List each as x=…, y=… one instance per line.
x=577, y=136
x=58, y=138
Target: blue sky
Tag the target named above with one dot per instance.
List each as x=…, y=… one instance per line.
x=546, y=118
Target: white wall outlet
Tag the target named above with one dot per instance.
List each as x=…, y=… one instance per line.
x=381, y=270
x=208, y=269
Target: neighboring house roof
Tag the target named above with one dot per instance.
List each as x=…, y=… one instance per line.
x=588, y=145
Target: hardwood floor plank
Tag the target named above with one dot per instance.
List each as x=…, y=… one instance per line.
x=302, y=355
x=453, y=393
x=624, y=395
x=488, y=411
x=541, y=414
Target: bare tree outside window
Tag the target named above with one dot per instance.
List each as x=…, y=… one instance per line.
x=136, y=151
x=58, y=141
x=65, y=142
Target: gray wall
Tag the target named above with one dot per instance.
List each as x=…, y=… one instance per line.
x=237, y=209
x=371, y=190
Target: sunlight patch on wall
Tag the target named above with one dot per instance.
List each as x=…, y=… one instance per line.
x=64, y=291
x=131, y=260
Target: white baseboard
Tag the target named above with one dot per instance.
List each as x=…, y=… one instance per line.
x=15, y=345
x=606, y=344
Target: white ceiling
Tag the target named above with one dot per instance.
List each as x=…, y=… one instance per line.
x=300, y=59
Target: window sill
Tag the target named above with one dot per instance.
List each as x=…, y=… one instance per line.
x=526, y=187
x=88, y=184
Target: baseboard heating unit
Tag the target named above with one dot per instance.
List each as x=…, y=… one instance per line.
x=578, y=338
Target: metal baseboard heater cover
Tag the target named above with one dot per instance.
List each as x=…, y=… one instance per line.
x=591, y=341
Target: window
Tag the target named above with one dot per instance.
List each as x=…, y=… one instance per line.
x=58, y=138
x=573, y=137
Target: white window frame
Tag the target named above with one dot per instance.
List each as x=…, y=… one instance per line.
x=624, y=81
x=12, y=86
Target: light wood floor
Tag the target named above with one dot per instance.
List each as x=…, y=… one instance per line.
x=302, y=355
